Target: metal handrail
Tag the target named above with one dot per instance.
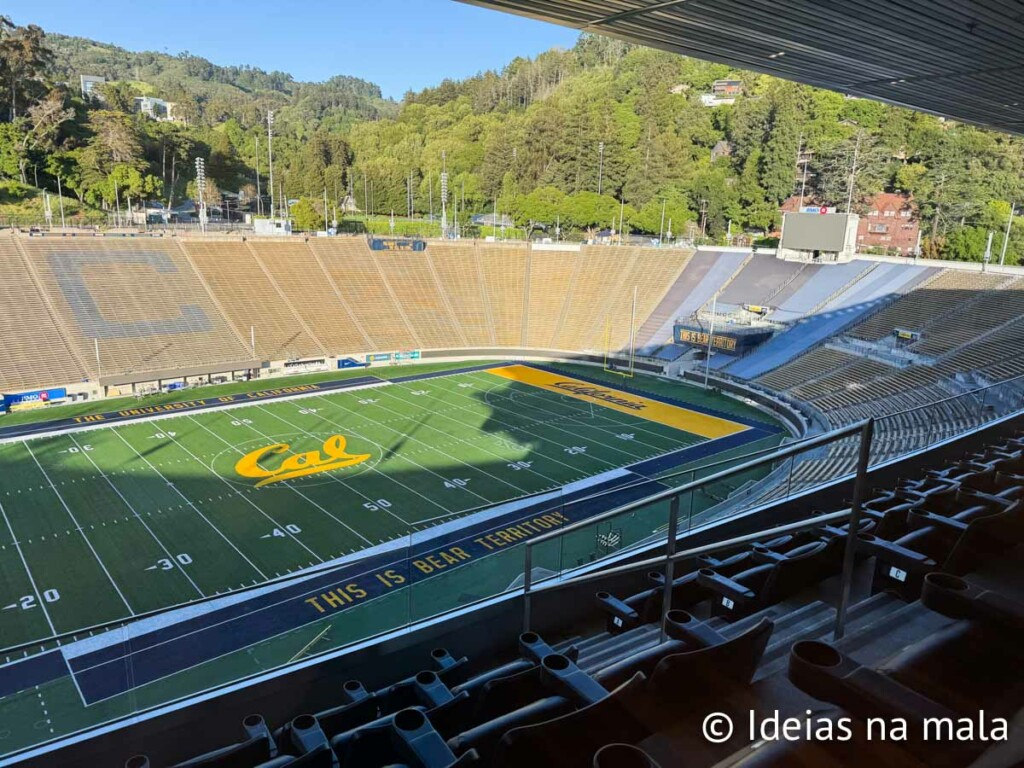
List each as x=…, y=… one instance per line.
x=686, y=554
x=789, y=450
x=865, y=429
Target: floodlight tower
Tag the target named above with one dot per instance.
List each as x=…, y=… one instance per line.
x=444, y=194
x=270, y=153
x=201, y=185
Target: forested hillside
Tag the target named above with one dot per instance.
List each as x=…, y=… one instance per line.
x=582, y=137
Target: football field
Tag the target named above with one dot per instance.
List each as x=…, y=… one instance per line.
x=107, y=523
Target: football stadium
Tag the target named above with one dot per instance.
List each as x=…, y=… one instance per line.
x=272, y=497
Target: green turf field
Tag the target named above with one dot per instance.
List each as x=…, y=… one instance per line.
x=107, y=523
x=102, y=524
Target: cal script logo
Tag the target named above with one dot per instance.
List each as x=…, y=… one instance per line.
x=331, y=456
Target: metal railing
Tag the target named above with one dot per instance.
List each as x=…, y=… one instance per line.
x=864, y=430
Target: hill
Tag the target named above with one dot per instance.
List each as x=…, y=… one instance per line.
x=604, y=134
x=207, y=92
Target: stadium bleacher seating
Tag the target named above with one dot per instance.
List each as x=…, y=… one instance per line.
x=704, y=274
x=250, y=300
x=40, y=357
x=157, y=304
x=968, y=321
x=652, y=272
x=936, y=604
x=424, y=305
x=760, y=280
x=946, y=289
x=461, y=275
x=354, y=270
x=552, y=277
x=139, y=298
x=816, y=362
x=504, y=272
x=311, y=295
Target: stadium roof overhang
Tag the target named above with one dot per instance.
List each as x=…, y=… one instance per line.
x=962, y=59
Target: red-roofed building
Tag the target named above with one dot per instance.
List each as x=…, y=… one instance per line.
x=888, y=224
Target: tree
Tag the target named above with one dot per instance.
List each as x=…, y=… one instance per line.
x=39, y=129
x=305, y=215
x=211, y=198
x=118, y=96
x=777, y=170
x=544, y=205
x=24, y=60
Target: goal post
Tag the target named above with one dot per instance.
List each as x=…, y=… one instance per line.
x=610, y=354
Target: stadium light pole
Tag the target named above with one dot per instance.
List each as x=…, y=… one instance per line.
x=711, y=335
x=853, y=173
x=259, y=196
x=201, y=184
x=1002, y=253
x=270, y=156
x=60, y=201
x=600, y=167
x=661, y=232
x=444, y=195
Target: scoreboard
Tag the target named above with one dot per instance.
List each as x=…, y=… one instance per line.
x=397, y=244
x=700, y=339
x=731, y=339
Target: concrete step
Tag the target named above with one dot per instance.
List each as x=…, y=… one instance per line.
x=618, y=647
x=862, y=617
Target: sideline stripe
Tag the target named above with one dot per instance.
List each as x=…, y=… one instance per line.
x=642, y=407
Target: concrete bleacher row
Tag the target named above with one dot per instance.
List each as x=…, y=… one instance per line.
x=868, y=290
x=33, y=350
x=160, y=304
x=945, y=290
x=931, y=630
x=969, y=322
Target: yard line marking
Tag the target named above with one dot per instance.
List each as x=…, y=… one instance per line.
x=461, y=440
x=573, y=406
x=612, y=427
x=241, y=495
x=39, y=598
x=188, y=501
x=513, y=428
x=289, y=485
x=493, y=393
x=75, y=521
x=402, y=520
x=427, y=446
x=71, y=674
x=137, y=515
x=596, y=417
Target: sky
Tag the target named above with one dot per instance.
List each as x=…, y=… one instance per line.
x=399, y=44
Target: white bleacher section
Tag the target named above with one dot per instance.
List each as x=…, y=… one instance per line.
x=872, y=289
